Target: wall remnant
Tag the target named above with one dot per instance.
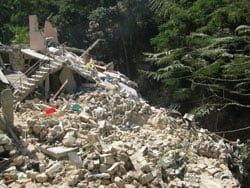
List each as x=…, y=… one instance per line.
x=37, y=40
x=50, y=31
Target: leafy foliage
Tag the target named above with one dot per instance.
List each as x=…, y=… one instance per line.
x=125, y=28
x=214, y=70
x=21, y=35
x=202, y=56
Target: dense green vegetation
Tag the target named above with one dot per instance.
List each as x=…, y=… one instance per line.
x=203, y=47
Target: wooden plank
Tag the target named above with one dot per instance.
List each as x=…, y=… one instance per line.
x=60, y=89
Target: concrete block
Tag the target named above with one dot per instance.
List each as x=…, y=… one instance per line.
x=58, y=152
x=138, y=161
x=145, y=168
x=119, y=182
x=146, y=178
x=129, y=186
x=54, y=169
x=107, y=159
x=32, y=174
x=91, y=177
x=41, y=178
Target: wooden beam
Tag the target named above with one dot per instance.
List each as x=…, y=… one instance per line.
x=60, y=89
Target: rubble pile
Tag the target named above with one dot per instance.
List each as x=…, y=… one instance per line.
x=105, y=137
x=5, y=143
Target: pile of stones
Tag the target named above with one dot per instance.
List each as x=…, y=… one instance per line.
x=112, y=139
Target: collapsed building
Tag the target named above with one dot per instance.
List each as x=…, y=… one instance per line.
x=73, y=122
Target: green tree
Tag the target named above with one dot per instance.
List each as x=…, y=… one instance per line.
x=126, y=27
x=14, y=18
x=205, y=64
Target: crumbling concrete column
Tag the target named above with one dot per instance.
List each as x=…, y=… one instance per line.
x=7, y=108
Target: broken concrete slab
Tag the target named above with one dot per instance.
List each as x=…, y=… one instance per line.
x=57, y=152
x=75, y=159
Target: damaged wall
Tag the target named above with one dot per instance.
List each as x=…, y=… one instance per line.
x=37, y=40
x=12, y=56
x=67, y=74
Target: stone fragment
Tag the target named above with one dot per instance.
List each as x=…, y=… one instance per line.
x=202, y=166
x=212, y=171
x=31, y=148
x=84, y=116
x=82, y=185
x=122, y=156
x=93, y=138
x=54, y=169
x=145, y=167
x=146, y=178
x=42, y=167
x=75, y=159
x=107, y=159
x=96, y=163
x=138, y=161
x=4, y=139
x=119, y=182
x=90, y=165
x=129, y=186
x=30, y=185
x=113, y=185
x=15, y=185
x=32, y=174
x=99, y=112
x=188, y=117
x=207, y=183
x=58, y=152
x=91, y=177
x=37, y=128
x=69, y=139
x=72, y=180
x=18, y=161
x=41, y=178
x=31, y=122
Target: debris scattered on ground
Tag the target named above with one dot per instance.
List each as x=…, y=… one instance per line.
x=113, y=140
x=103, y=135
